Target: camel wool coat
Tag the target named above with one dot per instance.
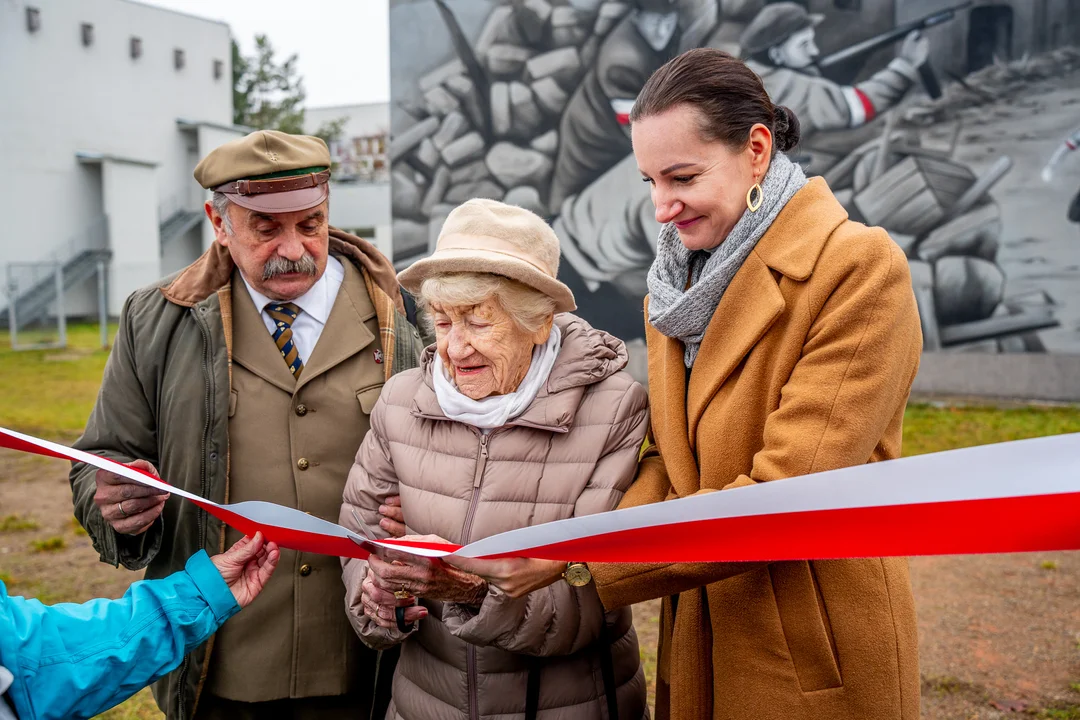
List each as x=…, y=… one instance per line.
x=806, y=366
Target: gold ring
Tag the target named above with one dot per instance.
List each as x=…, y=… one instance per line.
x=120, y=505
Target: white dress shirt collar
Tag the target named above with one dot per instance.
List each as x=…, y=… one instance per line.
x=316, y=302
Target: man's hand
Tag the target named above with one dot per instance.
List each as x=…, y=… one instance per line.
x=247, y=566
x=517, y=577
x=393, y=520
x=130, y=508
x=915, y=49
x=1047, y=173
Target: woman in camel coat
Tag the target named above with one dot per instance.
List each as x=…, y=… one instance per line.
x=783, y=339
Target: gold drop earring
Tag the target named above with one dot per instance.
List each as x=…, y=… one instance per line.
x=753, y=204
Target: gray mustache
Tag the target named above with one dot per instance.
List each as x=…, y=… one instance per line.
x=278, y=265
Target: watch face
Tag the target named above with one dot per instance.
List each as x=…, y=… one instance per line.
x=578, y=575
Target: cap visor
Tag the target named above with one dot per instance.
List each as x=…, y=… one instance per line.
x=281, y=202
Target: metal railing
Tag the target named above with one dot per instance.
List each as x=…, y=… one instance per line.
x=33, y=288
x=177, y=214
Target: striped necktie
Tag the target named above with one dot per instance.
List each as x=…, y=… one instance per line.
x=284, y=314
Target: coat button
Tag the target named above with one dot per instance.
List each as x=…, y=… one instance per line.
x=305, y=570
x=303, y=463
x=301, y=410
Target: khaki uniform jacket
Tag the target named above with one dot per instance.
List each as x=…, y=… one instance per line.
x=806, y=366
x=572, y=452
x=167, y=396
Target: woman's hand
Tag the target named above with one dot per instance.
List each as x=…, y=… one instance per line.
x=517, y=577
x=380, y=605
x=425, y=577
x=247, y=566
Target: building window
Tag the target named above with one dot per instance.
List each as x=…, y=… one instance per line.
x=219, y=69
x=178, y=59
x=33, y=19
x=87, y=34
x=136, y=48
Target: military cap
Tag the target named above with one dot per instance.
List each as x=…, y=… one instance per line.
x=774, y=25
x=269, y=171
x=657, y=6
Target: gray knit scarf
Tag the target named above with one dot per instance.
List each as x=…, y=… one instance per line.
x=684, y=314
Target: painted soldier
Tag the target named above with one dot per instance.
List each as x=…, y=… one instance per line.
x=779, y=46
x=594, y=133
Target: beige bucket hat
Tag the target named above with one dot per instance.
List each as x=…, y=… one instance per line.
x=487, y=236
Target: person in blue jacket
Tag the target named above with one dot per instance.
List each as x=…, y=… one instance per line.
x=75, y=661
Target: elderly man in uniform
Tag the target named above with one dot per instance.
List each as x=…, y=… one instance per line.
x=250, y=375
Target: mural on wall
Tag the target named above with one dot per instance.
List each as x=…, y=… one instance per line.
x=949, y=124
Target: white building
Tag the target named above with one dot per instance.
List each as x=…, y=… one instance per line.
x=360, y=181
x=107, y=107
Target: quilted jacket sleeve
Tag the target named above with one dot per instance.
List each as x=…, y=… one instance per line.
x=560, y=619
x=371, y=480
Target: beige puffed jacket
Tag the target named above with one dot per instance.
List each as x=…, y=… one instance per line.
x=574, y=451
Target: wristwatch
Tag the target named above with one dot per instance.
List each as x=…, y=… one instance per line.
x=577, y=574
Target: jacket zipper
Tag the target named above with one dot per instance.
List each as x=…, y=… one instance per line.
x=182, y=677
x=478, y=479
x=470, y=651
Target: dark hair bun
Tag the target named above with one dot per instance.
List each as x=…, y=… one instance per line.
x=785, y=128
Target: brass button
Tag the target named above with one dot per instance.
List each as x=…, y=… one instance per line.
x=303, y=463
x=305, y=570
x=301, y=410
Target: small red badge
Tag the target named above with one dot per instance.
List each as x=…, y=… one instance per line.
x=378, y=356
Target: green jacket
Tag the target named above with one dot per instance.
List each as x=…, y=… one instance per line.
x=165, y=397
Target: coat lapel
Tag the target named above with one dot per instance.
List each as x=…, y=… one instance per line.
x=344, y=334
x=667, y=398
x=753, y=301
x=748, y=308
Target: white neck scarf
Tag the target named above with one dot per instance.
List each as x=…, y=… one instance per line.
x=496, y=410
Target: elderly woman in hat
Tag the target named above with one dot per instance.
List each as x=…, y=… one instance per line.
x=520, y=414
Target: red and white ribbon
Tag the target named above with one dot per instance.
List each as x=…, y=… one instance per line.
x=1011, y=497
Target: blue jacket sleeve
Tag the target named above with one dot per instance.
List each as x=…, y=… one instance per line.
x=75, y=661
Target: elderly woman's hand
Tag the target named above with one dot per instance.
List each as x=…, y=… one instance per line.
x=425, y=577
x=380, y=605
x=517, y=577
x=393, y=519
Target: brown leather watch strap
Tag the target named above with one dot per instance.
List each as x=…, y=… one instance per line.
x=276, y=185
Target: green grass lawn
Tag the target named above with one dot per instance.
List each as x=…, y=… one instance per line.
x=51, y=392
